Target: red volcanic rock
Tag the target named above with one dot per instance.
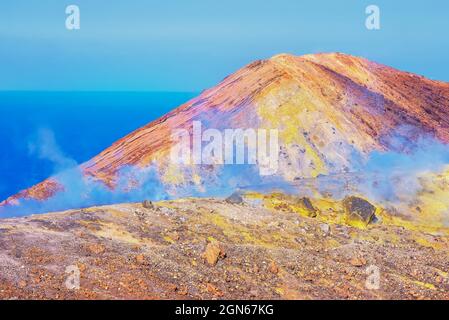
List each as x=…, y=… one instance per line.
x=43, y=190
x=324, y=105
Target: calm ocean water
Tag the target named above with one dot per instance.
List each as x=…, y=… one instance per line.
x=81, y=123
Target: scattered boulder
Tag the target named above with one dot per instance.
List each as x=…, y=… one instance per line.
x=234, y=198
x=213, y=252
x=359, y=212
x=307, y=207
x=147, y=204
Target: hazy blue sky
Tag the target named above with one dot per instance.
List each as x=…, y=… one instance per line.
x=190, y=45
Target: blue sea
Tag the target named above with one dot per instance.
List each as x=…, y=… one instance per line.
x=39, y=130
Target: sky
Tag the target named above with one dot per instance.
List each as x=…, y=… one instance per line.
x=178, y=45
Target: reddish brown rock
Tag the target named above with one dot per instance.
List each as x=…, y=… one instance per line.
x=213, y=252
x=213, y=290
x=358, y=262
x=273, y=268
x=96, y=248
x=140, y=259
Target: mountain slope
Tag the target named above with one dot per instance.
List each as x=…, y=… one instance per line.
x=327, y=107
x=129, y=251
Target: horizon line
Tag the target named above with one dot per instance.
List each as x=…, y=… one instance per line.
x=103, y=91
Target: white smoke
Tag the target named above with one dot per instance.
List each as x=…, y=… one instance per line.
x=43, y=145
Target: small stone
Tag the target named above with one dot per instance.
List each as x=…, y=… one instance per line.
x=140, y=259
x=81, y=267
x=173, y=287
x=183, y=291
x=213, y=252
x=358, y=262
x=213, y=290
x=36, y=279
x=273, y=268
